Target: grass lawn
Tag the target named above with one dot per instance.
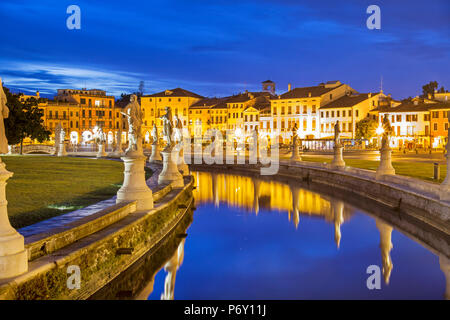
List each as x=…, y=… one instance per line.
x=45, y=186
x=418, y=170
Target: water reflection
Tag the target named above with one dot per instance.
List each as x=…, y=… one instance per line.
x=238, y=247
x=253, y=194
x=171, y=268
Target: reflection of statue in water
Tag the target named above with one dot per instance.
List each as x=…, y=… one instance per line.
x=167, y=129
x=171, y=268
x=337, y=134
x=4, y=113
x=386, y=133
x=155, y=134
x=134, y=114
x=386, y=247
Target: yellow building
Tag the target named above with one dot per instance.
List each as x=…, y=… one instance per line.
x=80, y=111
x=153, y=106
x=348, y=110
x=206, y=114
x=301, y=106
x=244, y=111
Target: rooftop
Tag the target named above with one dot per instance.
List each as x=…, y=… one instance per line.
x=177, y=92
x=307, y=92
x=348, y=100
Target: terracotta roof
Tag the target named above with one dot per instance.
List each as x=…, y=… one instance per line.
x=304, y=92
x=268, y=81
x=177, y=92
x=347, y=101
x=244, y=97
x=411, y=107
x=210, y=103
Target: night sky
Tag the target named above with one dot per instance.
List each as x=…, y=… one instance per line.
x=221, y=47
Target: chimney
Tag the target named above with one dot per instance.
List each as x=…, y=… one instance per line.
x=289, y=87
x=416, y=102
x=370, y=95
x=37, y=94
x=429, y=96
x=309, y=94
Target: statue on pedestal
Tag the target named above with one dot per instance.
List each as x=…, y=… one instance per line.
x=294, y=143
x=338, y=161
x=386, y=133
x=385, y=167
x=337, y=134
x=155, y=134
x=13, y=256
x=167, y=129
x=4, y=113
x=178, y=129
x=134, y=115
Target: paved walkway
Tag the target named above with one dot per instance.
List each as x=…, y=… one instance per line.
x=69, y=217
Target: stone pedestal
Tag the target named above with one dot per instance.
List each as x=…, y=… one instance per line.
x=101, y=151
x=182, y=166
x=445, y=186
x=134, y=187
x=156, y=155
x=62, y=150
x=385, y=167
x=338, y=161
x=295, y=154
x=170, y=171
x=13, y=256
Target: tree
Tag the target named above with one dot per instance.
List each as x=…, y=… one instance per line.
x=140, y=92
x=24, y=121
x=365, y=128
x=429, y=88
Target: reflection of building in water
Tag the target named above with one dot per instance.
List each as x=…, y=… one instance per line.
x=385, y=246
x=253, y=194
x=444, y=263
x=171, y=268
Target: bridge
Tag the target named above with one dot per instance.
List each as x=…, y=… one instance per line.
x=34, y=148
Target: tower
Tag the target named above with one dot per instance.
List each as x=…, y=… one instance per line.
x=268, y=86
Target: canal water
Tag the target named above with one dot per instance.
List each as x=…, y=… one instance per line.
x=261, y=239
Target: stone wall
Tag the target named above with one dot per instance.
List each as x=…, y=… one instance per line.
x=102, y=255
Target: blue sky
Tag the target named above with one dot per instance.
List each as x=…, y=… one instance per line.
x=221, y=47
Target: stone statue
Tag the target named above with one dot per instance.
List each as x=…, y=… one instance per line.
x=294, y=138
x=62, y=134
x=4, y=113
x=178, y=128
x=167, y=129
x=155, y=134
x=119, y=141
x=386, y=133
x=337, y=134
x=134, y=115
x=101, y=136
